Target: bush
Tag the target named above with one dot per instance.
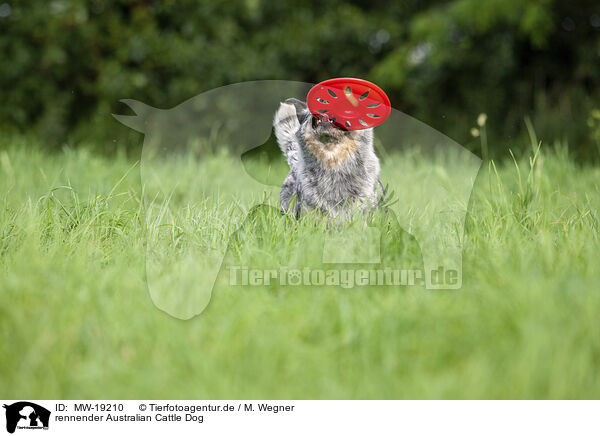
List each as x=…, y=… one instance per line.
x=69, y=62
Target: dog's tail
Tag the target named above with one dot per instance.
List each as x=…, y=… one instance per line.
x=286, y=126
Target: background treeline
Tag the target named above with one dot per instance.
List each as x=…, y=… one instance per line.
x=65, y=64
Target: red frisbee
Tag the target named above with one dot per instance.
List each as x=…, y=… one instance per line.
x=352, y=104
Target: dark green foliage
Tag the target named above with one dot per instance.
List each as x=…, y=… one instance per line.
x=65, y=64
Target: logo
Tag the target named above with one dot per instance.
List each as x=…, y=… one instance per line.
x=26, y=415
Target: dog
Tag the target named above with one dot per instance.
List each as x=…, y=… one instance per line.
x=332, y=170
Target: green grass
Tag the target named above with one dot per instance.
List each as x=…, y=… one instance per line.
x=77, y=321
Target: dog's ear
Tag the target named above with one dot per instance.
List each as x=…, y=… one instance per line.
x=302, y=111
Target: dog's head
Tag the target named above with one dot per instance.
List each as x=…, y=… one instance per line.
x=331, y=144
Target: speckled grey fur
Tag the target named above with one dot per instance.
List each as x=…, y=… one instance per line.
x=312, y=183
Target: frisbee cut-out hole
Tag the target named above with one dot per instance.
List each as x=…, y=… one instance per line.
x=320, y=100
x=363, y=123
x=322, y=111
x=348, y=124
x=362, y=97
x=348, y=91
x=373, y=115
x=333, y=94
x=373, y=104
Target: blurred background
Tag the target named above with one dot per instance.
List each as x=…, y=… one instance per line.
x=66, y=64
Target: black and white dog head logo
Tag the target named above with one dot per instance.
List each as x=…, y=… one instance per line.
x=26, y=415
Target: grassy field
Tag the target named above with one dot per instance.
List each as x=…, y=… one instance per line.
x=77, y=321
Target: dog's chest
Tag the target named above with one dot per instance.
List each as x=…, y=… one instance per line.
x=349, y=184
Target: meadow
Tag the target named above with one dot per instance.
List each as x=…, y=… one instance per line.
x=77, y=320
